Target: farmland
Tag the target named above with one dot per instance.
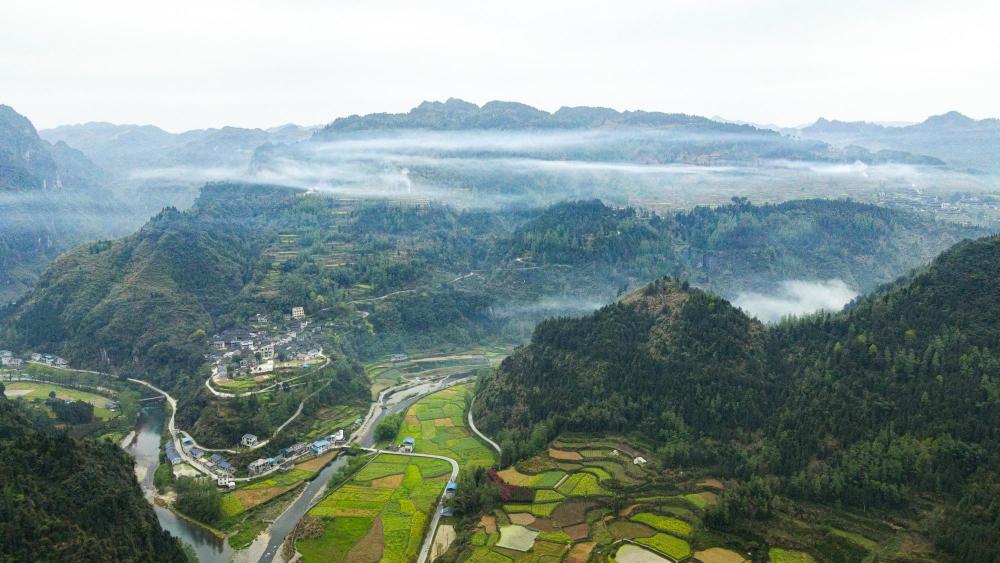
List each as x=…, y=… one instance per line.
x=573, y=486
x=246, y=509
x=31, y=391
x=386, y=373
x=437, y=423
x=379, y=514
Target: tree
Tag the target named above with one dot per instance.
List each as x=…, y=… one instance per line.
x=387, y=429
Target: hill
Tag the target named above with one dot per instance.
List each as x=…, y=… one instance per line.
x=69, y=500
x=895, y=398
x=147, y=301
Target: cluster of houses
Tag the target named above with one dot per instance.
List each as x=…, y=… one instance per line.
x=8, y=359
x=256, y=349
x=287, y=457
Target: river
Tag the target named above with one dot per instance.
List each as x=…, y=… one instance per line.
x=209, y=548
x=145, y=449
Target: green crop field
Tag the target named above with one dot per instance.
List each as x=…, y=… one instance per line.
x=437, y=425
x=582, y=485
x=396, y=492
x=668, y=524
x=779, y=555
x=665, y=543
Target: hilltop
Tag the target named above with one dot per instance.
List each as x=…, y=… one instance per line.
x=894, y=398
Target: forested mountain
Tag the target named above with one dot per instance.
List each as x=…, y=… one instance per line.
x=52, y=197
x=63, y=499
x=897, y=396
x=148, y=300
x=735, y=247
x=959, y=140
x=425, y=274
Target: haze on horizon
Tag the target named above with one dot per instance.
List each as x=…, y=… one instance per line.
x=185, y=64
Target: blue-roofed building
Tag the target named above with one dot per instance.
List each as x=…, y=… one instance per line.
x=320, y=446
x=408, y=441
x=196, y=453
x=172, y=456
x=187, y=441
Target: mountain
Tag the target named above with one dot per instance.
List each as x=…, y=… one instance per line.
x=146, y=301
x=25, y=161
x=54, y=197
x=893, y=400
x=125, y=149
x=116, y=148
x=958, y=140
x=736, y=247
x=64, y=499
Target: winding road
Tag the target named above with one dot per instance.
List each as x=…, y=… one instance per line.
x=472, y=425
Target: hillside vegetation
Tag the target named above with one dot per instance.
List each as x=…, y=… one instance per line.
x=899, y=396
x=71, y=500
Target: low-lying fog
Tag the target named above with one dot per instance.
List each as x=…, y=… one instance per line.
x=794, y=298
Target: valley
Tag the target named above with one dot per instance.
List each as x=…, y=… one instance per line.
x=495, y=373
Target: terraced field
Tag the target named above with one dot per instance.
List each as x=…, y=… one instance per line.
x=379, y=515
x=570, y=518
x=437, y=423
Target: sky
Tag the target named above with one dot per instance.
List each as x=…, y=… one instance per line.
x=253, y=63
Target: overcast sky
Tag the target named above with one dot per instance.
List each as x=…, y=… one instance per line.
x=190, y=64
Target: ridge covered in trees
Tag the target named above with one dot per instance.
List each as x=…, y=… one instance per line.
x=63, y=499
x=897, y=396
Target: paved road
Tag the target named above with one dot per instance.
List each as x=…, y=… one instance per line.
x=224, y=395
x=472, y=425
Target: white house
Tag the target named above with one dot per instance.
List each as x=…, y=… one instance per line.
x=639, y=460
x=298, y=313
x=248, y=440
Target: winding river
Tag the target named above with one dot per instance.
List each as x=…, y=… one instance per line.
x=145, y=449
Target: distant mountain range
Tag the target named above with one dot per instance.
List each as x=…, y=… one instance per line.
x=959, y=140
x=123, y=148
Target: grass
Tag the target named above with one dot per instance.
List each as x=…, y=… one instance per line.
x=858, y=539
x=672, y=546
x=779, y=555
x=437, y=425
x=400, y=491
x=41, y=392
x=668, y=524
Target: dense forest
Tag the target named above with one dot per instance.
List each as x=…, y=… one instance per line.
x=63, y=499
x=895, y=397
x=418, y=275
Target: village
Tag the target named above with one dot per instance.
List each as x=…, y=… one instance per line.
x=9, y=360
x=247, y=358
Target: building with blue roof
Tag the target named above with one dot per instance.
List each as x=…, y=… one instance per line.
x=172, y=456
x=320, y=446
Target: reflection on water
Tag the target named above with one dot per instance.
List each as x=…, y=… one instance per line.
x=146, y=451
